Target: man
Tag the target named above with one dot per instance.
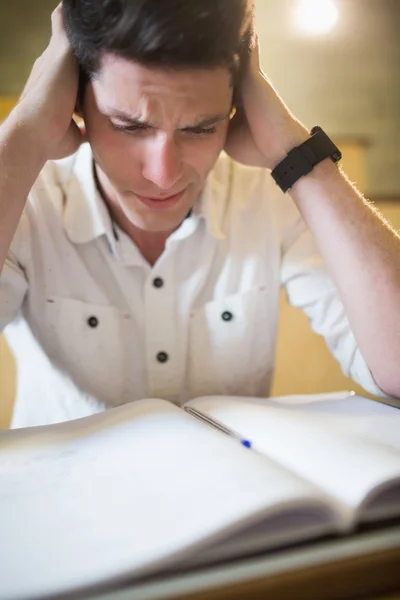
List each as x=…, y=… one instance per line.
x=149, y=262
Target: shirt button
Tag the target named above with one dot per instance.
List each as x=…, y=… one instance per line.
x=93, y=322
x=162, y=357
x=227, y=316
x=158, y=282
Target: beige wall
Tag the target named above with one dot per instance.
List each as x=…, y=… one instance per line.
x=7, y=383
x=6, y=105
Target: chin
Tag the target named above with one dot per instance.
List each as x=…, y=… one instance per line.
x=157, y=221
x=154, y=216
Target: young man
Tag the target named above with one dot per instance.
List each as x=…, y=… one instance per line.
x=149, y=262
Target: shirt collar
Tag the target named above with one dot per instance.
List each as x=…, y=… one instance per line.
x=216, y=198
x=86, y=217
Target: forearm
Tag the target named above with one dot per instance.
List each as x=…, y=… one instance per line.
x=362, y=254
x=360, y=250
x=20, y=163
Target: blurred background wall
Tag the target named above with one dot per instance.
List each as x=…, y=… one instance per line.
x=337, y=64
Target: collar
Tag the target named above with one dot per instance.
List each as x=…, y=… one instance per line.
x=86, y=217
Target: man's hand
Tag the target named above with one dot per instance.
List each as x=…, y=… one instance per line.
x=263, y=130
x=48, y=101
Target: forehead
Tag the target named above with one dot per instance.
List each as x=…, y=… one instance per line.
x=121, y=83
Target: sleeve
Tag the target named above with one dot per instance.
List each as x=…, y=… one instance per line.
x=309, y=287
x=13, y=281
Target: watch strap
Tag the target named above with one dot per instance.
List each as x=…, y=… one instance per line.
x=301, y=160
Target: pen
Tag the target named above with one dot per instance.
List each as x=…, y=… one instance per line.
x=217, y=425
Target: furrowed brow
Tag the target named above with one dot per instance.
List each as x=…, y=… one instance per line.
x=126, y=119
x=132, y=121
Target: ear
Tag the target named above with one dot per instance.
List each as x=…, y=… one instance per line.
x=80, y=123
x=78, y=111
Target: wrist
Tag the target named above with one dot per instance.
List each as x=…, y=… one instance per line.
x=292, y=139
x=324, y=172
x=304, y=158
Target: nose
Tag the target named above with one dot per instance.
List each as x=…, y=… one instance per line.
x=163, y=164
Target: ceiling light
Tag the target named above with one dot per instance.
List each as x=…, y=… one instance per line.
x=316, y=17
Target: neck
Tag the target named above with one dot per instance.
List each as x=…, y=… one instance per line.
x=150, y=244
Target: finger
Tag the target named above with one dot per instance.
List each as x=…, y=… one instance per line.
x=57, y=23
x=57, y=16
x=255, y=52
x=248, y=20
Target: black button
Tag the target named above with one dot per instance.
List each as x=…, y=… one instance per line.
x=93, y=322
x=227, y=316
x=162, y=357
x=158, y=282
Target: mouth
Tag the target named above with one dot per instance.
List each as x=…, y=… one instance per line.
x=161, y=203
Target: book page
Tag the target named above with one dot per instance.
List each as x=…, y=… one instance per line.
x=325, y=448
x=129, y=491
x=375, y=421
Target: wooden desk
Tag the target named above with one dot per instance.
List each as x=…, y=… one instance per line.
x=365, y=565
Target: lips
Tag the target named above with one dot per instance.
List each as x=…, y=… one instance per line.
x=161, y=203
x=164, y=199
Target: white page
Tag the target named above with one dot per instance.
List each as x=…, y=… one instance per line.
x=344, y=466
x=353, y=414
x=121, y=492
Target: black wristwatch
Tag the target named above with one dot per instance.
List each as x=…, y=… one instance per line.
x=301, y=160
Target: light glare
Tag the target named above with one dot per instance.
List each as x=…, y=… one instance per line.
x=317, y=17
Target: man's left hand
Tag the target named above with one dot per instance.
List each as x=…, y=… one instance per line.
x=263, y=130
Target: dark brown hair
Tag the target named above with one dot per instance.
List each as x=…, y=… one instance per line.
x=174, y=34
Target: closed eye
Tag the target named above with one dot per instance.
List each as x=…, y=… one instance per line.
x=137, y=127
x=199, y=130
x=196, y=131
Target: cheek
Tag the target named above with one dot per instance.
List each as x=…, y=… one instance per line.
x=104, y=139
x=116, y=154
x=202, y=155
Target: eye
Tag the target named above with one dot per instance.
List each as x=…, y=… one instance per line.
x=128, y=128
x=200, y=131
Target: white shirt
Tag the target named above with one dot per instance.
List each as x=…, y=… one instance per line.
x=92, y=330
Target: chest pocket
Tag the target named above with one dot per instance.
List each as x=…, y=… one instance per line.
x=232, y=345
x=89, y=343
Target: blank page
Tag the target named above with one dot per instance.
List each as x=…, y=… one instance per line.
x=124, y=492
x=345, y=465
x=355, y=415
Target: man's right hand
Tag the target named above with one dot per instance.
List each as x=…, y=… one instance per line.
x=49, y=98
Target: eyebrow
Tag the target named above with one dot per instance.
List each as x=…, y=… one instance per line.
x=128, y=120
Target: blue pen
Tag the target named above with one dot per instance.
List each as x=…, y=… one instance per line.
x=218, y=425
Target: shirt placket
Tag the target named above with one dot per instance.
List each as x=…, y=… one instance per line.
x=164, y=363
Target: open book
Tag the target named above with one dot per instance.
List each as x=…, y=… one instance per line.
x=147, y=487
